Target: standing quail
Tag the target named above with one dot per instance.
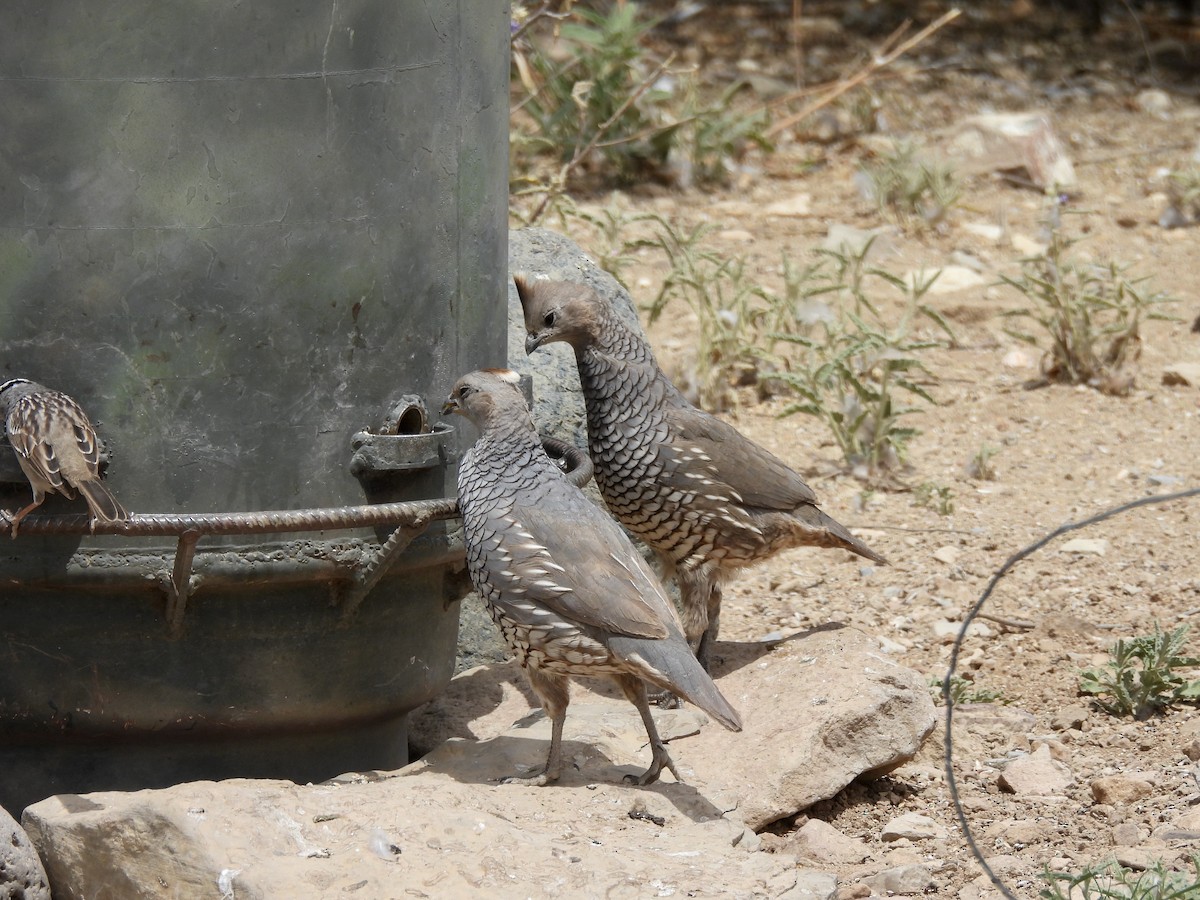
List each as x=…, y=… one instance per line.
x=566, y=587
x=57, y=449
x=704, y=497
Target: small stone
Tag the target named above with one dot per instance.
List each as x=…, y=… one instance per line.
x=822, y=843
x=910, y=879
x=1096, y=546
x=947, y=554
x=887, y=645
x=851, y=241
x=1017, y=359
x=796, y=206
x=1036, y=775
x=950, y=279
x=1121, y=789
x=1154, y=102
x=947, y=631
x=1070, y=718
x=985, y=230
x=1027, y=246
x=1182, y=373
x=1019, y=831
x=994, y=719
x=1126, y=835
x=814, y=886
x=736, y=235
x=853, y=892
x=913, y=826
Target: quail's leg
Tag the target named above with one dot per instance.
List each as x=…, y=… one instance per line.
x=713, y=606
x=15, y=519
x=694, y=590
x=554, y=693
x=634, y=690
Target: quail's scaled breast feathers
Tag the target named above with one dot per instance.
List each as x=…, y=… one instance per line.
x=564, y=584
x=57, y=449
x=704, y=497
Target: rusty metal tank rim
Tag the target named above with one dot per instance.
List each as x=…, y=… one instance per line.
x=411, y=518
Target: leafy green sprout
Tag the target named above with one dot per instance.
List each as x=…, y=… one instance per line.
x=1109, y=880
x=1142, y=674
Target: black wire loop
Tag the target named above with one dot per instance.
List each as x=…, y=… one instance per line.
x=948, y=757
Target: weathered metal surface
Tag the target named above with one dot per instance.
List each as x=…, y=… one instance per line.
x=238, y=234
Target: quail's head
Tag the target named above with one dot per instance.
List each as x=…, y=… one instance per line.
x=558, y=311
x=486, y=395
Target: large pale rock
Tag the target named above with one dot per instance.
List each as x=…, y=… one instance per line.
x=820, y=709
x=1036, y=775
x=440, y=828
x=557, y=397
x=1004, y=141
x=1121, y=789
x=822, y=843
x=21, y=874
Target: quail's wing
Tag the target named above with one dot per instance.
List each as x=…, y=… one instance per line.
x=28, y=426
x=565, y=554
x=717, y=452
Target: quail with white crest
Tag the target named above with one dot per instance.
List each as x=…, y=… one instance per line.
x=564, y=584
x=704, y=497
x=57, y=449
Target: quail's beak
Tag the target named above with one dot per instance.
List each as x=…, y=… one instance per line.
x=532, y=342
x=450, y=406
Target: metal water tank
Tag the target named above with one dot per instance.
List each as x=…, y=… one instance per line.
x=250, y=239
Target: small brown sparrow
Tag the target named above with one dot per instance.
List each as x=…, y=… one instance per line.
x=57, y=449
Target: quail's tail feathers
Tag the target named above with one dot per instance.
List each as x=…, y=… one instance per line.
x=103, y=504
x=828, y=532
x=681, y=674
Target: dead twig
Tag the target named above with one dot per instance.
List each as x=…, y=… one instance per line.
x=878, y=62
x=1015, y=624
x=542, y=12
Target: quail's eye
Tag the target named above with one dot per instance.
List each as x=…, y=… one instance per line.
x=549, y=319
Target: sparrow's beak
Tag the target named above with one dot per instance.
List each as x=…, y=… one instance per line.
x=532, y=342
x=450, y=406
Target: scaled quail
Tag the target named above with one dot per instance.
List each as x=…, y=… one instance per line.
x=567, y=589
x=57, y=449
x=704, y=497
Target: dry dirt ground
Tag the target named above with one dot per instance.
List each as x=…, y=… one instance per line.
x=1062, y=453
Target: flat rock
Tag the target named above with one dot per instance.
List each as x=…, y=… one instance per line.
x=1008, y=141
x=797, y=205
x=445, y=826
x=442, y=828
x=21, y=874
x=1070, y=718
x=822, y=843
x=1183, y=373
x=993, y=719
x=913, y=878
x=858, y=712
x=1094, y=546
x=813, y=886
x=914, y=827
x=1121, y=789
x=1036, y=775
x=950, y=279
